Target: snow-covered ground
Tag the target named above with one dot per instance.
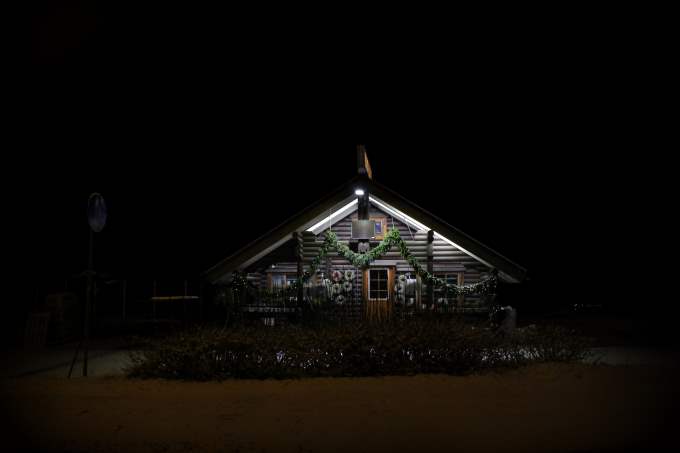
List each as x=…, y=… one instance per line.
x=553, y=407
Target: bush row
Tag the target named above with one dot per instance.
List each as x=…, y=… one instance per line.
x=396, y=348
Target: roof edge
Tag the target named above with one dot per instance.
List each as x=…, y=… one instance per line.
x=514, y=271
x=505, y=265
x=283, y=229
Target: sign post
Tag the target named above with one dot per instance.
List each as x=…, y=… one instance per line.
x=96, y=217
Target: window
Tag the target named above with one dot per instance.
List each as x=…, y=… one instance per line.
x=380, y=226
x=278, y=280
x=281, y=280
x=377, y=284
x=440, y=292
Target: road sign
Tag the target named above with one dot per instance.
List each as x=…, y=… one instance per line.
x=96, y=212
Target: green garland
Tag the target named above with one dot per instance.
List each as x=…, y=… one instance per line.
x=392, y=238
x=239, y=282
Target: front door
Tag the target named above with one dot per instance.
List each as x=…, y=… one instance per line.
x=378, y=287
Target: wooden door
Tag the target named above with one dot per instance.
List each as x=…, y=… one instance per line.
x=378, y=292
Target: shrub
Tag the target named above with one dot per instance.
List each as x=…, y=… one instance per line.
x=400, y=347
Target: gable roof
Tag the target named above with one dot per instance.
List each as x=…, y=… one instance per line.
x=338, y=204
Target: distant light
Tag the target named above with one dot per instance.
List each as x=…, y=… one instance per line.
x=359, y=192
x=273, y=266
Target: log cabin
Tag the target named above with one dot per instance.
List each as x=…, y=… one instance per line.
x=293, y=262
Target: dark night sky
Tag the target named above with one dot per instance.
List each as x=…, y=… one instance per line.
x=191, y=134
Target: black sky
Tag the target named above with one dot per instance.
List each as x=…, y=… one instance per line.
x=201, y=138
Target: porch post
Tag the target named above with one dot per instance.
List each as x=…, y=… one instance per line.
x=430, y=265
x=461, y=297
x=299, y=254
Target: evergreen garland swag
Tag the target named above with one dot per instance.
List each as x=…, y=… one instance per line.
x=391, y=239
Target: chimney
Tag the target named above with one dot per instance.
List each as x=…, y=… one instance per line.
x=363, y=165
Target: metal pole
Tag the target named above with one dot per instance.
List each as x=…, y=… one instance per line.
x=75, y=357
x=124, y=297
x=184, y=301
x=88, y=303
x=200, y=312
x=154, y=301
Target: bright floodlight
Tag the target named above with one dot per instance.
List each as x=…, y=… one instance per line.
x=359, y=192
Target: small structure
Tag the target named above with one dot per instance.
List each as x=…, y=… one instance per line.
x=365, y=251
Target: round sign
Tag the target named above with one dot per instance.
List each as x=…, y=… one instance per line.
x=96, y=212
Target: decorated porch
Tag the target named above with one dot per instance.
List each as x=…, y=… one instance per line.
x=352, y=285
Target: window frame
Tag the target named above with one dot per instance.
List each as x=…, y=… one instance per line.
x=379, y=290
x=284, y=275
x=383, y=222
x=438, y=291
